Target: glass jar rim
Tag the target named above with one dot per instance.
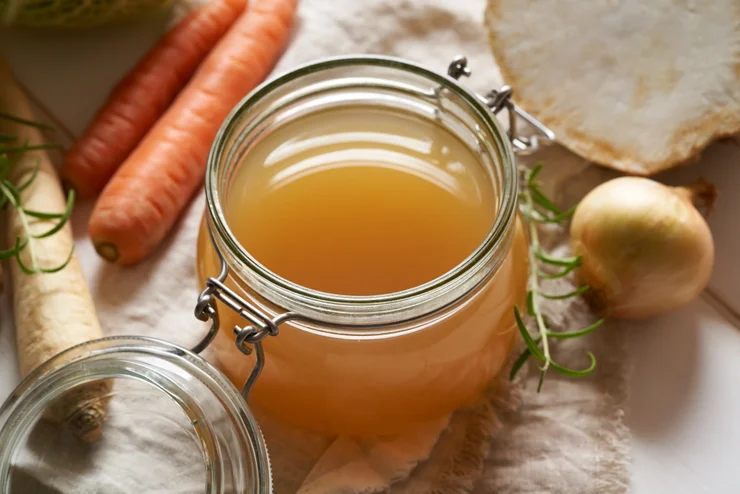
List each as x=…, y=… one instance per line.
x=96, y=359
x=495, y=240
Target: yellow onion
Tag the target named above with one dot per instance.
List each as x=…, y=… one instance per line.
x=645, y=247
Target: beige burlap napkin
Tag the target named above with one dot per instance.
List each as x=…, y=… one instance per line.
x=567, y=439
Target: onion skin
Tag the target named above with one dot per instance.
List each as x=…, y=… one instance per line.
x=645, y=247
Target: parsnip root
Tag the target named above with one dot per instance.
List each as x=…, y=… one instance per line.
x=52, y=312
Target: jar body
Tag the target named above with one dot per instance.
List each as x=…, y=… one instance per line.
x=417, y=372
x=355, y=361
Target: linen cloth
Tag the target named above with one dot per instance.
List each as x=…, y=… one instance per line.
x=569, y=438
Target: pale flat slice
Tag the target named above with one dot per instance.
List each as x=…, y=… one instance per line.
x=636, y=85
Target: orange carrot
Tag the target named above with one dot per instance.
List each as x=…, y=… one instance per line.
x=144, y=94
x=144, y=199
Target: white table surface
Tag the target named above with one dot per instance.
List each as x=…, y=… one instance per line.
x=684, y=409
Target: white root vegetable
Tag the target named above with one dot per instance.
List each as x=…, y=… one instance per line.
x=645, y=247
x=636, y=85
x=52, y=312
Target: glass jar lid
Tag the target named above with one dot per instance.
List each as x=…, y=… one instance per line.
x=129, y=415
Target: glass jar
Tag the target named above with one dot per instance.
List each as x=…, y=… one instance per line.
x=173, y=423
x=367, y=364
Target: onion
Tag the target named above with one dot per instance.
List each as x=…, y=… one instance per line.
x=645, y=247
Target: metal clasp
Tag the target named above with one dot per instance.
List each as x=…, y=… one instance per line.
x=499, y=99
x=260, y=327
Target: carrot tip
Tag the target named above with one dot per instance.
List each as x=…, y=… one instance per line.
x=107, y=251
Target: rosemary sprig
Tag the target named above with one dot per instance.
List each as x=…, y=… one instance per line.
x=23, y=121
x=536, y=209
x=10, y=195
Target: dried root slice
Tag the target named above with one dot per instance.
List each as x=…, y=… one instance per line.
x=634, y=85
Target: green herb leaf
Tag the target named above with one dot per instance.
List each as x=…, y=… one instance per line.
x=31, y=178
x=532, y=175
x=576, y=372
x=519, y=364
x=6, y=138
x=580, y=332
x=558, y=218
x=528, y=340
x=12, y=252
x=23, y=121
x=557, y=261
x=564, y=215
x=560, y=296
x=23, y=267
x=543, y=372
x=44, y=216
x=530, y=303
x=10, y=193
x=559, y=274
x=34, y=147
x=63, y=219
x=543, y=201
x=61, y=266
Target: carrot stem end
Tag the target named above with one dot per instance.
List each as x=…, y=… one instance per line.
x=107, y=251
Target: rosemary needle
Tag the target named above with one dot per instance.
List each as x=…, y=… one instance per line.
x=23, y=121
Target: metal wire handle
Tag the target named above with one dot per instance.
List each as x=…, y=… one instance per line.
x=500, y=99
x=249, y=337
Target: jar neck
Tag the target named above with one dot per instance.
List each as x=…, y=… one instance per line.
x=233, y=451
x=374, y=81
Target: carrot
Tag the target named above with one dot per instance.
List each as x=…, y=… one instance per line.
x=141, y=203
x=143, y=95
x=53, y=311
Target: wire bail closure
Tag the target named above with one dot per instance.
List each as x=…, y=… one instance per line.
x=500, y=99
x=249, y=337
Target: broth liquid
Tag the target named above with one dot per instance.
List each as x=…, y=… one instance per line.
x=361, y=202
